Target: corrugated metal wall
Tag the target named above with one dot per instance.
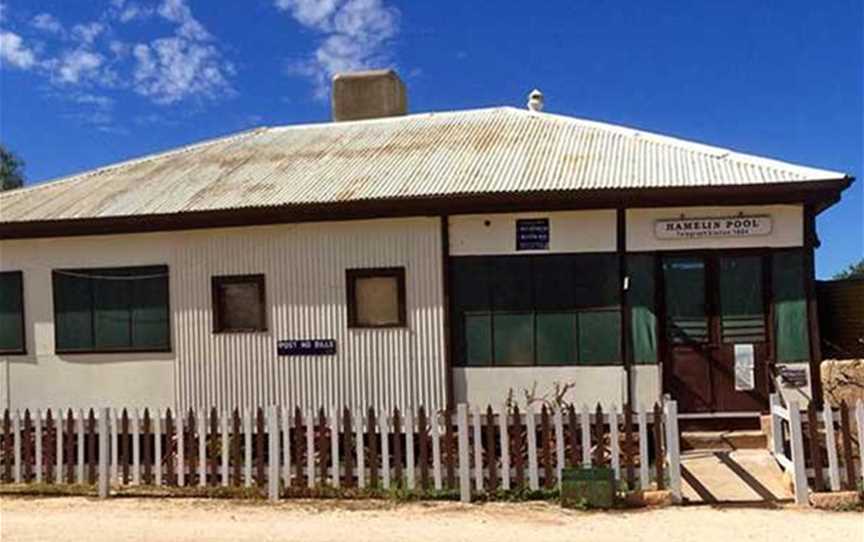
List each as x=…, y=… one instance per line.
x=306, y=297
x=841, y=317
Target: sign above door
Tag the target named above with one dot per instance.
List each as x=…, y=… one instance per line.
x=700, y=228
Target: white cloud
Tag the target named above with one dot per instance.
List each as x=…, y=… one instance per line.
x=77, y=66
x=14, y=52
x=171, y=69
x=125, y=11
x=187, y=64
x=356, y=36
x=178, y=12
x=47, y=23
x=182, y=62
x=87, y=33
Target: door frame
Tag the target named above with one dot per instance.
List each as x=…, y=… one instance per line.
x=711, y=258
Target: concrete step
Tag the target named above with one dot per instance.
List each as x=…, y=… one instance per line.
x=724, y=440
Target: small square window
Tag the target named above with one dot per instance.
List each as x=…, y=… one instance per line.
x=376, y=297
x=239, y=304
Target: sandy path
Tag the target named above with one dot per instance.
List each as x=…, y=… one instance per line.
x=119, y=520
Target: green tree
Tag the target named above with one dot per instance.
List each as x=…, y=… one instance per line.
x=11, y=170
x=854, y=271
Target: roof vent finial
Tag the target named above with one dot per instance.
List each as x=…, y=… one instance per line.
x=535, y=100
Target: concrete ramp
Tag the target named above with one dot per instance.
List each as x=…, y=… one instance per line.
x=733, y=477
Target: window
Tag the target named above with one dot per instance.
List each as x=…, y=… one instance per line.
x=643, y=312
x=790, y=306
x=557, y=309
x=111, y=310
x=376, y=297
x=239, y=304
x=12, y=313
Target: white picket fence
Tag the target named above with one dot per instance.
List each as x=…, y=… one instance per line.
x=788, y=447
x=478, y=439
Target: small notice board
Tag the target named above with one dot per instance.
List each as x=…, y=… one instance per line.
x=532, y=234
x=307, y=347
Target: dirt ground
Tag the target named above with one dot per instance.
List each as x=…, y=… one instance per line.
x=128, y=519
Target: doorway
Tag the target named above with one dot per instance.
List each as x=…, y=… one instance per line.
x=716, y=336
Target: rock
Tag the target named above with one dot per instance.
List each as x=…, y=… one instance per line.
x=659, y=498
x=843, y=380
x=841, y=500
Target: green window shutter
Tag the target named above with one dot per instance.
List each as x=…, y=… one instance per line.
x=643, y=312
x=11, y=312
x=513, y=338
x=73, y=312
x=554, y=287
x=478, y=339
x=790, y=307
x=741, y=314
x=150, y=318
x=597, y=279
x=471, y=334
x=599, y=337
x=112, y=311
x=511, y=283
x=556, y=338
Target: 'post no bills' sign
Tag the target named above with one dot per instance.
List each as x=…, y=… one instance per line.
x=532, y=234
x=699, y=228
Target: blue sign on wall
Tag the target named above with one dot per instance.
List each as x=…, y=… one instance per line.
x=532, y=234
x=307, y=347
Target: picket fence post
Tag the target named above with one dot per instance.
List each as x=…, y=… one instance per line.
x=16, y=432
x=831, y=446
x=558, y=420
x=157, y=445
x=435, y=428
x=859, y=418
x=673, y=449
x=79, y=472
x=409, y=448
x=464, y=468
x=104, y=474
x=801, y=489
x=478, y=450
x=503, y=423
x=273, y=453
x=38, y=460
x=310, y=448
x=615, y=449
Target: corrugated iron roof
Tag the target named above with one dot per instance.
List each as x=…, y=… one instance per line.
x=483, y=151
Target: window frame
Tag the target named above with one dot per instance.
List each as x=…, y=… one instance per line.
x=93, y=350
x=23, y=350
x=351, y=276
x=458, y=347
x=216, y=283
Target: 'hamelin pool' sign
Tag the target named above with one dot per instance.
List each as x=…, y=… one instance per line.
x=700, y=228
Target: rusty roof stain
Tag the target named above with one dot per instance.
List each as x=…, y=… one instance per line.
x=482, y=151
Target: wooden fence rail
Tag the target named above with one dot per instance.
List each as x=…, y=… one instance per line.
x=810, y=444
x=471, y=451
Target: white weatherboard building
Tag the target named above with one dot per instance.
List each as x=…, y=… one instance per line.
x=421, y=259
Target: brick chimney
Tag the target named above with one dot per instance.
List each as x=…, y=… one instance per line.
x=367, y=95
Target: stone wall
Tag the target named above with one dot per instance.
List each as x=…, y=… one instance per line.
x=843, y=380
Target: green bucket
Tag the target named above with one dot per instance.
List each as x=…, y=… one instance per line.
x=593, y=487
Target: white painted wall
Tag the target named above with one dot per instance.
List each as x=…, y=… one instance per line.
x=606, y=385
x=569, y=231
x=43, y=379
x=305, y=268
x=787, y=230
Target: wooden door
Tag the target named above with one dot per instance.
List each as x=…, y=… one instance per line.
x=687, y=360
x=714, y=315
x=741, y=321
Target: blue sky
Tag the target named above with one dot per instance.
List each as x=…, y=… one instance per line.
x=87, y=83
